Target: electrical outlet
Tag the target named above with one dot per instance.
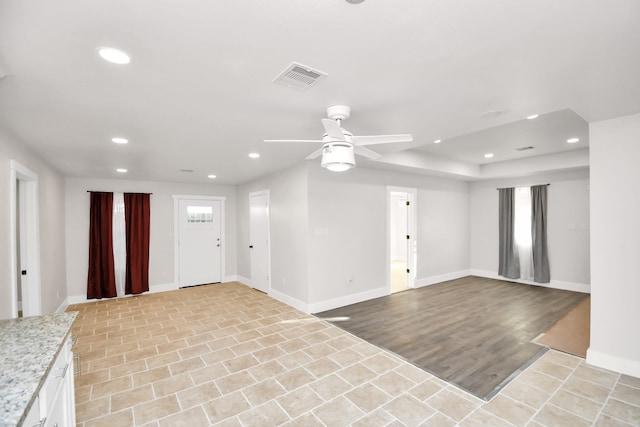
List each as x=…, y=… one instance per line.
x=349, y=280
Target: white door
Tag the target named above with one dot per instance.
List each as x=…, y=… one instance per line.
x=25, y=226
x=199, y=242
x=402, y=247
x=259, y=240
x=399, y=226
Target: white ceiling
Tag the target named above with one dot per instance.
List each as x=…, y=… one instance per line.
x=198, y=93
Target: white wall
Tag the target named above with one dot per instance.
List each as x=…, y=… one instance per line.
x=615, y=247
x=348, y=232
x=52, y=226
x=288, y=216
x=161, y=251
x=567, y=222
x=443, y=230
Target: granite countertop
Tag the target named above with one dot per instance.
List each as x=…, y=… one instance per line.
x=28, y=347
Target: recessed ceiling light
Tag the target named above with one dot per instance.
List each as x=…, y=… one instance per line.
x=437, y=141
x=119, y=140
x=531, y=117
x=254, y=155
x=211, y=176
x=488, y=155
x=114, y=55
x=121, y=170
x=573, y=140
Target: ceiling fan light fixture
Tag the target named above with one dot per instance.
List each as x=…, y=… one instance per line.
x=338, y=158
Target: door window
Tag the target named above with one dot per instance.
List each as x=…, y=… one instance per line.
x=198, y=214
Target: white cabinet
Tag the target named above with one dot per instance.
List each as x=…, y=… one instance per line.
x=33, y=416
x=55, y=404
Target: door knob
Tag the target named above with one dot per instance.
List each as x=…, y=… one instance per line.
x=250, y=246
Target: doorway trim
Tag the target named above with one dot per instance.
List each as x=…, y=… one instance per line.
x=412, y=225
x=176, y=234
x=29, y=237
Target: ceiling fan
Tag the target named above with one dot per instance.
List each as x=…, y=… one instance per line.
x=339, y=145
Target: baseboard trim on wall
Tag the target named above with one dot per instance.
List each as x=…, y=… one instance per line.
x=555, y=284
x=427, y=281
x=613, y=363
x=348, y=300
x=163, y=287
x=153, y=289
x=244, y=280
x=290, y=301
x=63, y=306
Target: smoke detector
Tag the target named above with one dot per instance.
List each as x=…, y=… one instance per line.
x=299, y=76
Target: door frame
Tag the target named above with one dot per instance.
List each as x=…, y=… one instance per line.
x=262, y=193
x=29, y=238
x=176, y=233
x=412, y=244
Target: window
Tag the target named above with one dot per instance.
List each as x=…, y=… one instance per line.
x=199, y=214
x=522, y=212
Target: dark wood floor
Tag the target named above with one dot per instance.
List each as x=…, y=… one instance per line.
x=474, y=332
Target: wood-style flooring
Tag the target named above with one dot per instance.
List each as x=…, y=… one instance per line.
x=571, y=333
x=474, y=332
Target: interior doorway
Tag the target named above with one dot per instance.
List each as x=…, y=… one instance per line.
x=199, y=240
x=401, y=238
x=259, y=240
x=25, y=242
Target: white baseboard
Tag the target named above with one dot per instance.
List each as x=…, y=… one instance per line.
x=614, y=363
x=244, y=280
x=231, y=278
x=153, y=289
x=348, y=299
x=76, y=299
x=63, y=306
x=555, y=284
x=290, y=301
x=426, y=281
x=163, y=287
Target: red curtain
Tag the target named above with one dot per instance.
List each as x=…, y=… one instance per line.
x=137, y=219
x=101, y=282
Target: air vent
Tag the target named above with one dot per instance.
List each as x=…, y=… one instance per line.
x=525, y=148
x=299, y=76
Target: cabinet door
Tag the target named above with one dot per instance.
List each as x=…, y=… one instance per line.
x=57, y=416
x=33, y=416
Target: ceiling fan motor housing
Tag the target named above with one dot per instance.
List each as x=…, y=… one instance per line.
x=339, y=112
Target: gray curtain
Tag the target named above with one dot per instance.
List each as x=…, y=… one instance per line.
x=509, y=263
x=539, y=234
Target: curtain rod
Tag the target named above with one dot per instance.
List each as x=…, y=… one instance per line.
x=504, y=188
x=89, y=191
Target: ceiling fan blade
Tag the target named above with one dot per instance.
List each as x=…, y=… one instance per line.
x=315, y=154
x=365, y=152
x=333, y=129
x=317, y=141
x=381, y=139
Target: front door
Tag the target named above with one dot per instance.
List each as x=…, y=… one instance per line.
x=199, y=242
x=259, y=240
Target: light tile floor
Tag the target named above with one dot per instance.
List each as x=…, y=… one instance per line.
x=227, y=355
